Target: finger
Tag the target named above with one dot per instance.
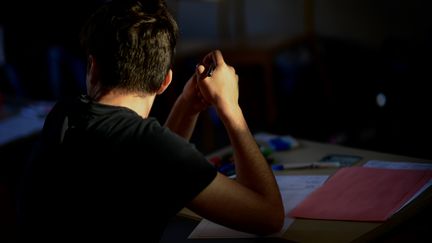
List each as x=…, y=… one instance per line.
x=218, y=58
x=214, y=57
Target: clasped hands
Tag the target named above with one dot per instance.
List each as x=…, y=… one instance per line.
x=220, y=89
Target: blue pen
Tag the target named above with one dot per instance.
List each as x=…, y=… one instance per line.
x=306, y=165
x=227, y=169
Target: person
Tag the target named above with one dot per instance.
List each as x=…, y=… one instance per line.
x=106, y=170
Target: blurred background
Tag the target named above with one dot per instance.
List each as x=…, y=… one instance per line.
x=354, y=73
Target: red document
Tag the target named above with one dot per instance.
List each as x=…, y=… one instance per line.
x=362, y=194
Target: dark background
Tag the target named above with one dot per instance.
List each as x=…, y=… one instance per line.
x=312, y=69
x=332, y=65
x=354, y=73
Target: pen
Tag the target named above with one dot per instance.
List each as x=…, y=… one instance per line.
x=305, y=165
x=210, y=69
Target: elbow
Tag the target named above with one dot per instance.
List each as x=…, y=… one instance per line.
x=277, y=218
x=280, y=221
x=277, y=221
x=274, y=223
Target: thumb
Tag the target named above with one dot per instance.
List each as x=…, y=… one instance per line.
x=199, y=70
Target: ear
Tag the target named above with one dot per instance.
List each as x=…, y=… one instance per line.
x=166, y=82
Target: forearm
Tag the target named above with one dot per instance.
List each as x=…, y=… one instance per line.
x=254, y=195
x=182, y=119
x=252, y=169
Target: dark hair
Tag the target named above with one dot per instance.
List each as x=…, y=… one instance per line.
x=133, y=43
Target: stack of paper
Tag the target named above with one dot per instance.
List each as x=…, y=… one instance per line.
x=364, y=193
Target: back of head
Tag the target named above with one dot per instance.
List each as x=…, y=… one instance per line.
x=133, y=42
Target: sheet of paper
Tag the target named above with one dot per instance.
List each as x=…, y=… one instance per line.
x=293, y=190
x=30, y=119
x=19, y=126
x=397, y=165
x=362, y=194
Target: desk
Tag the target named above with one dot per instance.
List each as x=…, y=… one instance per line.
x=409, y=224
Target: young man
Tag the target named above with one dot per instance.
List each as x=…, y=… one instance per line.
x=105, y=170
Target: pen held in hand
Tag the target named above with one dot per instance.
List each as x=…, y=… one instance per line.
x=210, y=70
x=305, y=165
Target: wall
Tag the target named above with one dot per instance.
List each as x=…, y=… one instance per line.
x=365, y=21
x=271, y=18
x=365, y=50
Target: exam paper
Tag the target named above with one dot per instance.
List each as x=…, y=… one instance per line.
x=293, y=190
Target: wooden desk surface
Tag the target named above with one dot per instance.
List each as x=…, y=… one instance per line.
x=304, y=230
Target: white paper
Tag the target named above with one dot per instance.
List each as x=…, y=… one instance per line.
x=398, y=165
x=28, y=121
x=293, y=190
x=18, y=127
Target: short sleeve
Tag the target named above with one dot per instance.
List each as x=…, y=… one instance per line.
x=183, y=171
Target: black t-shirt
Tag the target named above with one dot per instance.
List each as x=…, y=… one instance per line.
x=105, y=173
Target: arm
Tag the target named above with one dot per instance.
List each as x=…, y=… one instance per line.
x=186, y=109
x=252, y=202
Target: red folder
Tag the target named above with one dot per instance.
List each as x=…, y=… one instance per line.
x=362, y=194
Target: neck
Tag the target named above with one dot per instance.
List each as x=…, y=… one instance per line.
x=140, y=103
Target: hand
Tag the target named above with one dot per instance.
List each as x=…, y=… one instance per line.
x=191, y=93
x=221, y=88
